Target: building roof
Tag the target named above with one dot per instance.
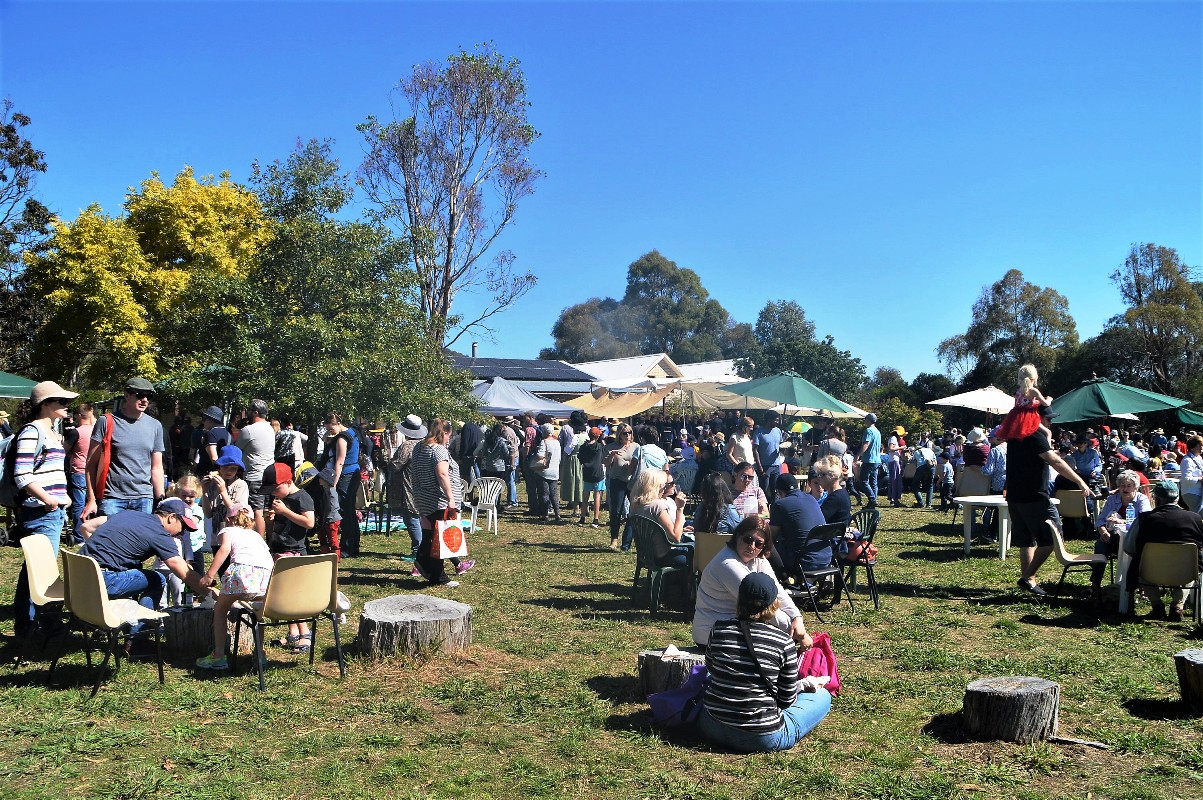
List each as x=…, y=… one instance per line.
x=711, y=371
x=520, y=369
x=634, y=368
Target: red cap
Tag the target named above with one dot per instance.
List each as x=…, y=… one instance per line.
x=276, y=474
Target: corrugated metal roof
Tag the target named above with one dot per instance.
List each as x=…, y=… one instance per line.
x=635, y=367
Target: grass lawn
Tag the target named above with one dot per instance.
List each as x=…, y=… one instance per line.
x=546, y=704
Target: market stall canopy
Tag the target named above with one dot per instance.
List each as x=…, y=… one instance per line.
x=602, y=402
x=1098, y=398
x=15, y=386
x=792, y=389
x=714, y=395
x=1189, y=417
x=499, y=397
x=990, y=400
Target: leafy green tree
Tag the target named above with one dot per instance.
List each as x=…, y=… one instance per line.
x=887, y=382
x=1163, y=321
x=1014, y=323
x=665, y=310
x=892, y=412
x=24, y=226
x=785, y=340
x=450, y=176
x=928, y=386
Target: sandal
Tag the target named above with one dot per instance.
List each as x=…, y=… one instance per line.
x=303, y=644
x=287, y=641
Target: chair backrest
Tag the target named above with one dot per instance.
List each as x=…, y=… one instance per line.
x=1166, y=564
x=42, y=570
x=651, y=540
x=302, y=587
x=828, y=532
x=488, y=490
x=85, y=592
x=866, y=521
x=685, y=478
x=1063, y=555
x=707, y=546
x=973, y=482
x=1072, y=504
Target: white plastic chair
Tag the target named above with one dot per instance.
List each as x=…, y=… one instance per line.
x=1176, y=565
x=488, y=495
x=1072, y=562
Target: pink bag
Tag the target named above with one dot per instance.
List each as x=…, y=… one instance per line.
x=819, y=661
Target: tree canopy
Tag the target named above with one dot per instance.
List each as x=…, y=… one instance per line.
x=665, y=309
x=449, y=175
x=1014, y=322
x=785, y=340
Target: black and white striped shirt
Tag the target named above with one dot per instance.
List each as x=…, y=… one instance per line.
x=737, y=694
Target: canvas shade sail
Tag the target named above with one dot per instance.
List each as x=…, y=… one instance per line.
x=991, y=400
x=15, y=386
x=1098, y=398
x=602, y=402
x=500, y=397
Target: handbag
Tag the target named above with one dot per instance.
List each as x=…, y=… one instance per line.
x=682, y=705
x=819, y=661
x=449, y=539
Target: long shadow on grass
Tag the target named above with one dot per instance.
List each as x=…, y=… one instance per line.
x=946, y=728
x=980, y=594
x=622, y=609
x=398, y=578
x=556, y=547
x=1159, y=709
x=941, y=556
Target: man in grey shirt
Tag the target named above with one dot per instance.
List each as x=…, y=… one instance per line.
x=257, y=442
x=135, y=473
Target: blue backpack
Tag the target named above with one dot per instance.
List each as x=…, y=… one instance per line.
x=10, y=495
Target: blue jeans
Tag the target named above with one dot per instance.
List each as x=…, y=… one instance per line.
x=77, y=488
x=922, y=482
x=111, y=505
x=40, y=521
x=868, y=481
x=348, y=493
x=144, y=585
x=414, y=526
x=799, y=719
x=511, y=476
x=616, y=496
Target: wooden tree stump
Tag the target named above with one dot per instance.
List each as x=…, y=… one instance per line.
x=1012, y=708
x=412, y=624
x=188, y=631
x=1189, y=664
x=656, y=674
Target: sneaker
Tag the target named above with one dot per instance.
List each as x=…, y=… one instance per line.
x=448, y=584
x=209, y=662
x=597, y=523
x=464, y=566
x=408, y=557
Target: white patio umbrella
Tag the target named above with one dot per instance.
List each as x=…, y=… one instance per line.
x=990, y=400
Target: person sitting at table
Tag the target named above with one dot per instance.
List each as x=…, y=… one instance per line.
x=718, y=589
x=1169, y=523
x=1121, y=509
x=753, y=703
x=793, y=515
x=716, y=512
x=654, y=495
x=749, y=497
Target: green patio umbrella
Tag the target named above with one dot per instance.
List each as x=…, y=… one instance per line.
x=15, y=386
x=1188, y=417
x=1097, y=398
x=793, y=390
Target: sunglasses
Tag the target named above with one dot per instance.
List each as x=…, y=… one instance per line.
x=139, y=395
x=745, y=476
x=752, y=540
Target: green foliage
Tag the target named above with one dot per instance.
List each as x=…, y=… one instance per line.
x=1014, y=323
x=434, y=173
x=785, y=340
x=24, y=226
x=892, y=411
x=665, y=310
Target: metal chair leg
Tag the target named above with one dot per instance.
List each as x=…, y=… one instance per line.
x=257, y=631
x=338, y=647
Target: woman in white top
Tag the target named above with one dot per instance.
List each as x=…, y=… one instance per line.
x=1191, y=487
x=739, y=446
x=655, y=495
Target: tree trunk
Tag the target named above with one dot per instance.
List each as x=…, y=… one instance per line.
x=657, y=674
x=1189, y=664
x=413, y=624
x=1011, y=708
x=188, y=631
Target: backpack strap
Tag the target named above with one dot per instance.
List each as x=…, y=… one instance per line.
x=746, y=627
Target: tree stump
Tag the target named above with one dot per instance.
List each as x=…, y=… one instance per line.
x=412, y=624
x=1189, y=664
x=1011, y=708
x=188, y=631
x=657, y=674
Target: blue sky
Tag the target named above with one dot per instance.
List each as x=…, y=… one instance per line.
x=880, y=163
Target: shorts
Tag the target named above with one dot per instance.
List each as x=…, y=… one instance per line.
x=245, y=579
x=1028, y=528
x=600, y=486
x=257, y=500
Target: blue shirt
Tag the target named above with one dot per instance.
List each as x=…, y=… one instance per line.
x=996, y=468
x=873, y=438
x=1087, y=464
x=768, y=446
x=793, y=515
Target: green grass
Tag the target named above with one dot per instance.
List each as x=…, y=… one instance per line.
x=546, y=703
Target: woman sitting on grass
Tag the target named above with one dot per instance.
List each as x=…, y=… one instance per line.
x=753, y=703
x=245, y=579
x=718, y=590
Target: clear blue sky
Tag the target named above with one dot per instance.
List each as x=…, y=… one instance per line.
x=880, y=162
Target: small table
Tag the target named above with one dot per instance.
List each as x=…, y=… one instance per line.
x=996, y=501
